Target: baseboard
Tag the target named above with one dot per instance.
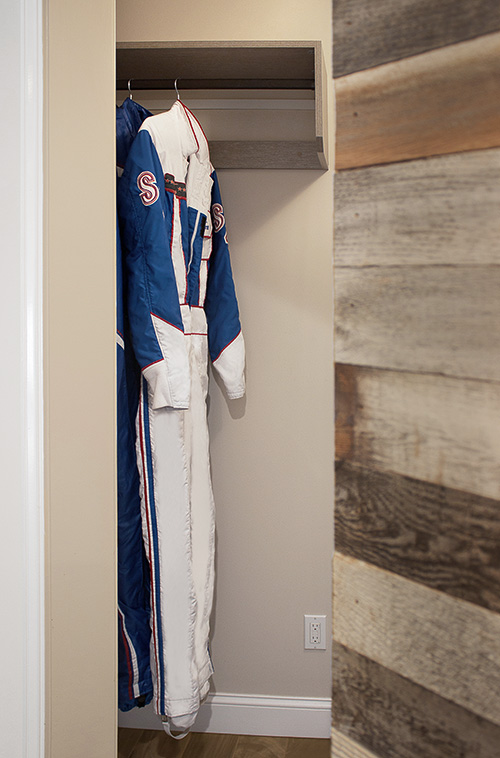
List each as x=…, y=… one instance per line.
x=226, y=713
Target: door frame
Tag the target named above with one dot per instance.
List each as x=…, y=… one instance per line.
x=22, y=533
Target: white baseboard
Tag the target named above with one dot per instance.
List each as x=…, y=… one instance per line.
x=226, y=713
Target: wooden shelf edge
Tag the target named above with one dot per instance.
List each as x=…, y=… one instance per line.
x=272, y=154
x=215, y=44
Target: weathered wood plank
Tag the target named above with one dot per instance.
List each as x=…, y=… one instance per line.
x=346, y=404
x=437, y=210
x=365, y=36
x=344, y=747
x=428, y=427
x=437, y=319
x=443, y=538
x=396, y=718
x=443, y=101
x=449, y=646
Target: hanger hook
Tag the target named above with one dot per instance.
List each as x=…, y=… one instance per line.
x=176, y=90
x=129, y=90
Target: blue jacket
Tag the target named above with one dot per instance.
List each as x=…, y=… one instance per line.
x=134, y=676
x=177, y=258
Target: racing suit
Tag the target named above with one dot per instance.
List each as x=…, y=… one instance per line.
x=135, y=686
x=182, y=308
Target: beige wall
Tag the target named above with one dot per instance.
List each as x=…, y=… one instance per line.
x=272, y=461
x=79, y=377
x=225, y=20
x=271, y=454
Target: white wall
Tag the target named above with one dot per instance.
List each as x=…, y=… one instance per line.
x=272, y=454
x=21, y=636
x=12, y=545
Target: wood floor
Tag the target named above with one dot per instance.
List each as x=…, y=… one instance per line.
x=150, y=743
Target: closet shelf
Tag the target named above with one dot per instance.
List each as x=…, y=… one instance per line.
x=281, y=66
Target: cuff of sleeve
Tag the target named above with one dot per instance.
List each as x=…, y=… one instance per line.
x=236, y=393
x=161, y=395
x=230, y=365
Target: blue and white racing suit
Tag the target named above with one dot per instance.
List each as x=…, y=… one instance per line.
x=135, y=686
x=182, y=309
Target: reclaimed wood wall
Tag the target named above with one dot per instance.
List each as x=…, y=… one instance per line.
x=417, y=516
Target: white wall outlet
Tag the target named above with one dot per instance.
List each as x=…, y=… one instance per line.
x=314, y=632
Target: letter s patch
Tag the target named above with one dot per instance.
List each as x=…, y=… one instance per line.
x=146, y=182
x=218, y=216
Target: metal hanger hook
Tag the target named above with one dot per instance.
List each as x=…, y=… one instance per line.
x=129, y=90
x=176, y=90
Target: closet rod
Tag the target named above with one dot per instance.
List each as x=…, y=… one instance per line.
x=200, y=84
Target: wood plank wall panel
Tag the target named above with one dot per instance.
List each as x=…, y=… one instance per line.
x=367, y=34
x=420, y=212
x=444, y=101
x=420, y=318
x=425, y=426
x=392, y=717
x=443, y=538
x=446, y=645
x=417, y=566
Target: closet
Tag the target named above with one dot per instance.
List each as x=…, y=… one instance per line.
x=263, y=106
x=271, y=455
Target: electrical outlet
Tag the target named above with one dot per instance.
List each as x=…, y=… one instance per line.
x=314, y=632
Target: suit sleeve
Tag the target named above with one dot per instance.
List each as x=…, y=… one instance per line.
x=225, y=339
x=146, y=214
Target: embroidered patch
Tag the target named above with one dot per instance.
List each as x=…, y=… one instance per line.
x=218, y=216
x=146, y=181
x=178, y=188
